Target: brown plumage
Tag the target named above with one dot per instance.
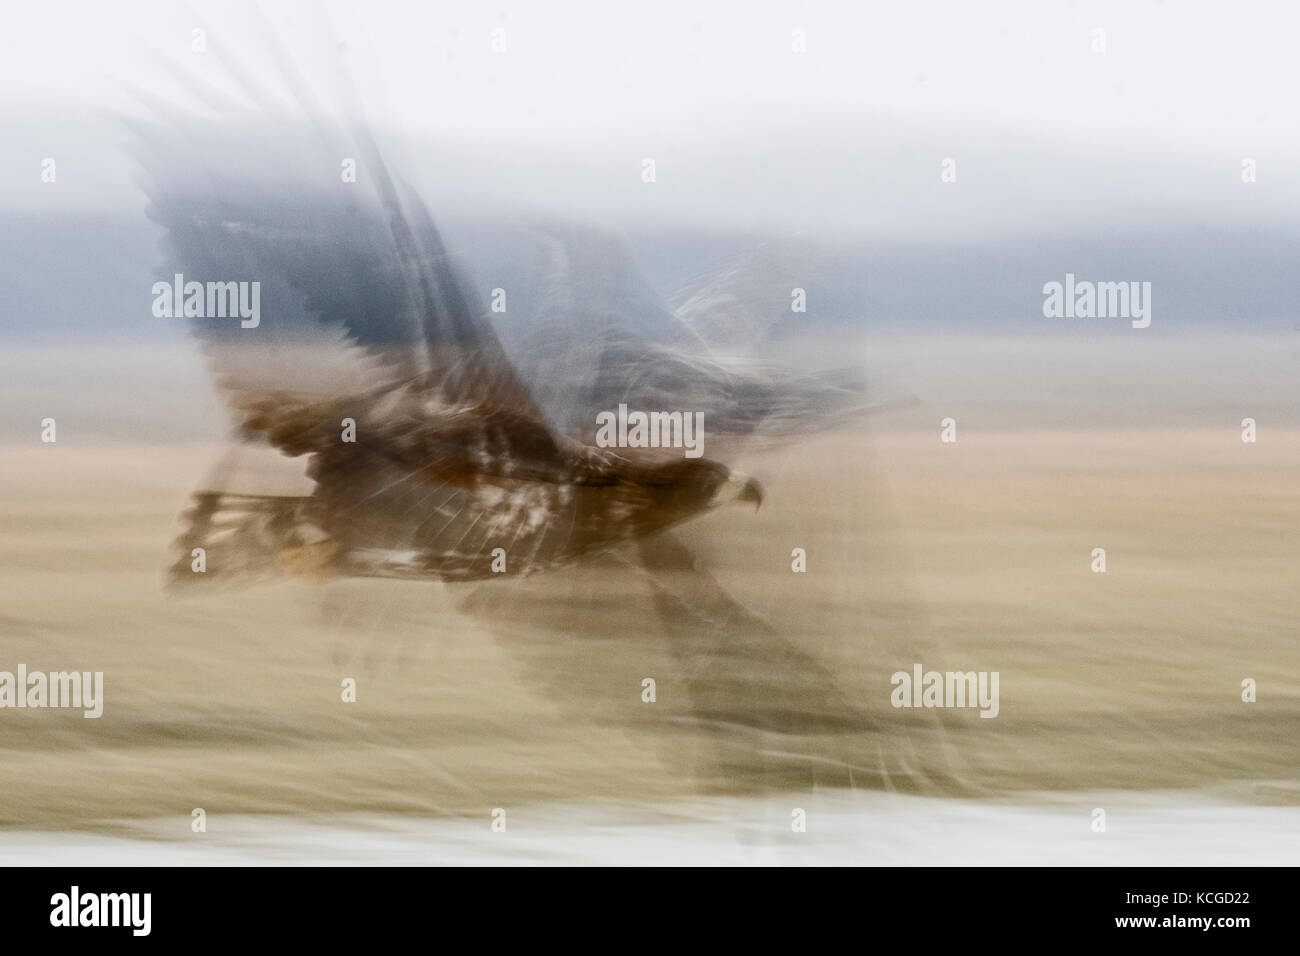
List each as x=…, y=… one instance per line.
x=428, y=489
x=450, y=465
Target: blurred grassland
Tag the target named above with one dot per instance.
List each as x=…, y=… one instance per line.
x=972, y=556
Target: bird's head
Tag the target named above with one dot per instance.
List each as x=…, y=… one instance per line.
x=737, y=486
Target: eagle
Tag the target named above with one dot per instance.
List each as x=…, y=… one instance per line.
x=434, y=439
x=432, y=454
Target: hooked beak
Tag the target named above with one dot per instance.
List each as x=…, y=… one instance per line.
x=738, y=487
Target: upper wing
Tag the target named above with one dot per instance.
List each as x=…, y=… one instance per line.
x=355, y=288
x=595, y=334
x=576, y=297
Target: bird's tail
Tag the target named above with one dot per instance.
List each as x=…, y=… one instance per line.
x=232, y=540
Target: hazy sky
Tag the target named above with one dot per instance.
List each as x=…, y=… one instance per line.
x=848, y=136
x=1208, y=75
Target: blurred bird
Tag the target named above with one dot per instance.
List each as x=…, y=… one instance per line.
x=373, y=358
x=440, y=447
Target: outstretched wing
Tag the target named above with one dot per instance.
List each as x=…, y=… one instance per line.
x=358, y=314
x=576, y=296
x=355, y=289
x=587, y=331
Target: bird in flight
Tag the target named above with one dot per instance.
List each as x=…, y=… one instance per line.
x=433, y=444
x=373, y=360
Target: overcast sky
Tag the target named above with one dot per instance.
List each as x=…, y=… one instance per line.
x=848, y=136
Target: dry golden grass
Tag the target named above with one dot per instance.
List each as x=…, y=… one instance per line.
x=966, y=557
